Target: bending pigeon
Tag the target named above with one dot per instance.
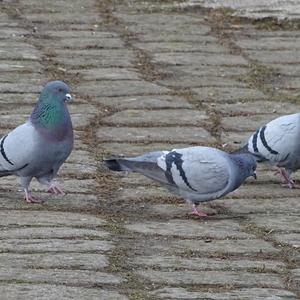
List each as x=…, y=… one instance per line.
x=278, y=143
x=198, y=174
x=40, y=146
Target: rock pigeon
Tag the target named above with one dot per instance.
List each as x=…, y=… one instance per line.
x=278, y=143
x=40, y=146
x=198, y=174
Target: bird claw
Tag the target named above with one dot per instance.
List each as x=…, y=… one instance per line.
x=32, y=199
x=291, y=185
x=55, y=189
x=197, y=212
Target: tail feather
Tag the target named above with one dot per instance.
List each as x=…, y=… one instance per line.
x=244, y=150
x=115, y=165
x=145, y=164
x=5, y=173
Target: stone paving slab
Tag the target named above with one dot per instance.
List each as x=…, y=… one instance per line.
x=109, y=74
x=189, y=228
x=238, y=294
x=181, y=134
x=181, y=46
x=144, y=102
x=199, y=59
x=20, y=65
x=158, y=117
x=256, y=9
x=64, y=277
x=44, y=218
x=261, y=206
x=271, y=108
x=96, y=57
x=192, y=82
x=148, y=76
x=203, y=263
x=291, y=223
x=219, y=278
x=121, y=88
x=83, y=261
x=221, y=71
x=53, y=233
x=235, y=246
x=64, y=17
x=55, y=245
x=78, y=202
x=228, y=94
x=43, y=291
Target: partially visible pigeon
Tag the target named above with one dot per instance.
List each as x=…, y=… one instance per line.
x=278, y=143
x=40, y=146
x=198, y=174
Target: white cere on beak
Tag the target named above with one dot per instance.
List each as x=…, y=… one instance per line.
x=68, y=97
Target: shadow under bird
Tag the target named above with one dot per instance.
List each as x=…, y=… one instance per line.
x=278, y=143
x=197, y=174
x=40, y=146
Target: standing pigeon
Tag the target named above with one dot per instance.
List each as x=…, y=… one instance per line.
x=40, y=146
x=278, y=143
x=198, y=174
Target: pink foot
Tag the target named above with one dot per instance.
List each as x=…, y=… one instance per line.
x=32, y=199
x=292, y=185
x=55, y=189
x=198, y=212
x=286, y=179
x=283, y=175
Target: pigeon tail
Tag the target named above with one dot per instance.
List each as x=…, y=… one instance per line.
x=5, y=173
x=244, y=149
x=115, y=165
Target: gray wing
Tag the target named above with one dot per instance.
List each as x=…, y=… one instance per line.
x=16, y=148
x=197, y=170
x=278, y=140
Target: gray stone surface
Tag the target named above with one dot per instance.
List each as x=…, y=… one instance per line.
x=55, y=245
x=203, y=263
x=149, y=75
x=227, y=94
x=120, y=88
x=222, y=278
x=255, y=9
x=238, y=294
x=44, y=218
x=56, y=276
x=157, y=117
x=90, y=261
x=178, y=134
x=146, y=102
x=189, y=228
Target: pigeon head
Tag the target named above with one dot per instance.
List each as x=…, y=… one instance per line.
x=55, y=91
x=246, y=165
x=50, y=115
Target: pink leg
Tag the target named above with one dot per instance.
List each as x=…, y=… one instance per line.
x=281, y=174
x=286, y=179
x=198, y=212
x=55, y=189
x=32, y=199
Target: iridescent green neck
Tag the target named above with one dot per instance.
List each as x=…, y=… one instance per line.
x=51, y=118
x=48, y=113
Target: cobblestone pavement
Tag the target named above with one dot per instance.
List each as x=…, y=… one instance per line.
x=148, y=75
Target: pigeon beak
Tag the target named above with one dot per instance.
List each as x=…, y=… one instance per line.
x=68, y=97
x=254, y=175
